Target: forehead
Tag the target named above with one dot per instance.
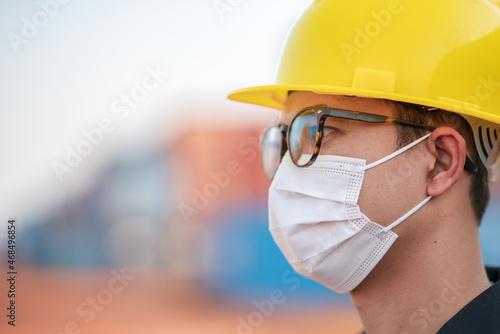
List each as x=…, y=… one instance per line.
x=299, y=100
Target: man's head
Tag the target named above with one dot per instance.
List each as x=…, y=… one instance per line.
x=335, y=219
x=386, y=58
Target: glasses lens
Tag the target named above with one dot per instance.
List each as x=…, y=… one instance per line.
x=272, y=141
x=302, y=139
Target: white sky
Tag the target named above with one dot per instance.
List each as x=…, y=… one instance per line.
x=64, y=79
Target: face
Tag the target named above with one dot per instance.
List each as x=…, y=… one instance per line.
x=389, y=190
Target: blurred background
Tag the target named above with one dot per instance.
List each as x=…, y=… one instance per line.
x=135, y=184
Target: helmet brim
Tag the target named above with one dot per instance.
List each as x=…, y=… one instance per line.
x=275, y=96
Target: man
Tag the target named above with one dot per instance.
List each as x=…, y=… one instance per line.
x=388, y=134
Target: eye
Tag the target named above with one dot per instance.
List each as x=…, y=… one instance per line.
x=329, y=130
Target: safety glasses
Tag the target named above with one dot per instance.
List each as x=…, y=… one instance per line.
x=304, y=135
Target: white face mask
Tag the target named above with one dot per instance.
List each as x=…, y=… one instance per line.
x=316, y=222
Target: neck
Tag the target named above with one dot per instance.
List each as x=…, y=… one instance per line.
x=424, y=280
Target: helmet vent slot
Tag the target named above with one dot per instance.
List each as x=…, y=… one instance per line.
x=489, y=137
x=481, y=142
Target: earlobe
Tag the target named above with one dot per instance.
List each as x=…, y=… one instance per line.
x=448, y=147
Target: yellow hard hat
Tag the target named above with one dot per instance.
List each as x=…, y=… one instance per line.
x=438, y=53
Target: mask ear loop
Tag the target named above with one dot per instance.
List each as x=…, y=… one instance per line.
x=404, y=217
x=398, y=152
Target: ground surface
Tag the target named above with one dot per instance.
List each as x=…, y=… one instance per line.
x=68, y=301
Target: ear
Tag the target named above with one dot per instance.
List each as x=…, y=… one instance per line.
x=448, y=148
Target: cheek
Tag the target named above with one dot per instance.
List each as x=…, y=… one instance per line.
x=375, y=197
x=391, y=189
